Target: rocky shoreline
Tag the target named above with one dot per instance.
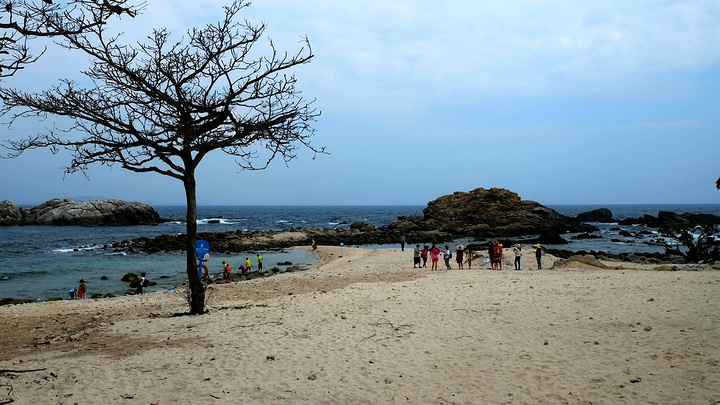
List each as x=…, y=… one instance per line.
x=481, y=215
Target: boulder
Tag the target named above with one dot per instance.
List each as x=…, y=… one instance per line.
x=10, y=214
x=599, y=215
x=87, y=213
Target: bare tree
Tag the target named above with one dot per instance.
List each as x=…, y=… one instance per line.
x=24, y=20
x=162, y=106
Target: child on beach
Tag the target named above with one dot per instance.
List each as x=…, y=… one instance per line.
x=72, y=293
x=226, y=271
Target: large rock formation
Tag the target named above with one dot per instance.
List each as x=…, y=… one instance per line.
x=489, y=213
x=87, y=213
x=598, y=215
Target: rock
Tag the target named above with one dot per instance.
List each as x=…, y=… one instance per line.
x=553, y=239
x=586, y=236
x=15, y=301
x=668, y=218
x=361, y=226
x=87, y=213
x=489, y=213
x=598, y=215
x=590, y=260
x=665, y=267
x=10, y=214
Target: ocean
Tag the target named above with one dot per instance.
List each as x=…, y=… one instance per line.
x=39, y=262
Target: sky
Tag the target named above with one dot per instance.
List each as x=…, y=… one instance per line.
x=562, y=102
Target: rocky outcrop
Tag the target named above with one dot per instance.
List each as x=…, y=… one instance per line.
x=668, y=218
x=603, y=215
x=10, y=214
x=489, y=213
x=85, y=213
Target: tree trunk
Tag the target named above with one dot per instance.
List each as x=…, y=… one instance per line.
x=197, y=292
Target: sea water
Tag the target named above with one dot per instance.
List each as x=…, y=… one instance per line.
x=40, y=262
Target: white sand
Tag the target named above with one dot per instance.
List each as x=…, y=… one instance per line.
x=366, y=328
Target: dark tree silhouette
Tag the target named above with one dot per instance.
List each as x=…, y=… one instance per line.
x=163, y=106
x=696, y=241
x=24, y=20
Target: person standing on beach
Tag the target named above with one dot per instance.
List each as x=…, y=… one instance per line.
x=424, y=254
x=248, y=264
x=260, y=260
x=447, y=255
x=469, y=253
x=416, y=256
x=141, y=283
x=434, y=257
x=538, y=256
x=491, y=255
x=402, y=243
x=495, y=254
x=517, y=249
x=459, y=253
x=82, y=289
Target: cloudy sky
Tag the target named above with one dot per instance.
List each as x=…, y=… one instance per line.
x=563, y=102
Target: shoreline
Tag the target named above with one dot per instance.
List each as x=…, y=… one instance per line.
x=361, y=326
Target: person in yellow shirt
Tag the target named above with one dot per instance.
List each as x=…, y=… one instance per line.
x=248, y=264
x=260, y=260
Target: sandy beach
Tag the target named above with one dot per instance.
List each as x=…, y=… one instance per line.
x=362, y=326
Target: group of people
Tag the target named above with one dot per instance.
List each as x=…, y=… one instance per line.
x=80, y=292
x=244, y=268
x=495, y=255
x=420, y=256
